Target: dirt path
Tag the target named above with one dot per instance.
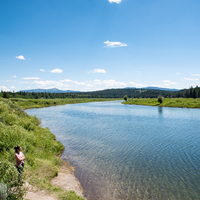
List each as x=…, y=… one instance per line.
x=41, y=195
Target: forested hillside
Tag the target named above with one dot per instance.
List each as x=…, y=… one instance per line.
x=109, y=93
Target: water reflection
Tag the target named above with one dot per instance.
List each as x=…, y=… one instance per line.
x=160, y=110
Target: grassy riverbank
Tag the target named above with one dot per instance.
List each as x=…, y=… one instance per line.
x=40, y=103
x=168, y=102
x=39, y=146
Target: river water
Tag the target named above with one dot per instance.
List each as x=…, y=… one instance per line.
x=127, y=151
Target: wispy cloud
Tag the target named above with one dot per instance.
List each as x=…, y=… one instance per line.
x=30, y=78
x=61, y=83
x=83, y=83
x=23, y=82
x=20, y=57
x=169, y=82
x=178, y=73
x=166, y=81
x=191, y=79
x=109, y=83
x=66, y=81
x=132, y=83
x=49, y=82
x=42, y=70
x=4, y=88
x=155, y=86
x=114, y=44
x=58, y=71
x=115, y=1
x=195, y=74
x=14, y=76
x=98, y=71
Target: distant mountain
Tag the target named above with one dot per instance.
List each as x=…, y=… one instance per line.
x=154, y=88
x=157, y=88
x=55, y=90
x=52, y=90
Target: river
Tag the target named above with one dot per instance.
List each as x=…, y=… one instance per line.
x=129, y=151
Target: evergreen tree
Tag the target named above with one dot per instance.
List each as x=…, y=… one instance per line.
x=5, y=95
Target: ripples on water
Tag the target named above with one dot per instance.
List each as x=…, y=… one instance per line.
x=129, y=152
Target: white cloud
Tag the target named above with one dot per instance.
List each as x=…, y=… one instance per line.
x=108, y=83
x=82, y=83
x=114, y=44
x=136, y=84
x=178, y=73
x=12, y=87
x=57, y=71
x=14, y=76
x=195, y=74
x=166, y=81
x=49, y=82
x=42, y=70
x=4, y=88
x=155, y=86
x=191, y=79
x=75, y=84
x=20, y=57
x=169, y=82
x=61, y=83
x=66, y=80
x=30, y=78
x=98, y=71
x=115, y=1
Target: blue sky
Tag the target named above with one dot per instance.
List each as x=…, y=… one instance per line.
x=90, y=45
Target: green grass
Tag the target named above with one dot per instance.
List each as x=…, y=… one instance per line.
x=39, y=146
x=40, y=103
x=168, y=102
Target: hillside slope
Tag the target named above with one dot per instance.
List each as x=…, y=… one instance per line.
x=39, y=146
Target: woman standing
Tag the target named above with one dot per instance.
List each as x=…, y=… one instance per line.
x=19, y=158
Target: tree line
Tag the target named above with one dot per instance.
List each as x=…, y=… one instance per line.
x=109, y=93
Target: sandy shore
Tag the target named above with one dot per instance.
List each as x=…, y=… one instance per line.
x=65, y=180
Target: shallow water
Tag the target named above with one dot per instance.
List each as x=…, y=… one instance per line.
x=129, y=152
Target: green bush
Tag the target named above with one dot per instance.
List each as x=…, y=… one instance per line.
x=160, y=100
x=12, y=179
x=38, y=145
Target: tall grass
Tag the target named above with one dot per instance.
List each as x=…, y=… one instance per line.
x=168, y=102
x=39, y=146
x=39, y=103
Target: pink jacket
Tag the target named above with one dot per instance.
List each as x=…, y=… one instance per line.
x=19, y=156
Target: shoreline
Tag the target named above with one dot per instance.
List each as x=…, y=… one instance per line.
x=65, y=179
x=129, y=104
x=42, y=151
x=41, y=103
x=168, y=102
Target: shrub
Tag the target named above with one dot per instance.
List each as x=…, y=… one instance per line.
x=10, y=177
x=160, y=99
x=125, y=98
